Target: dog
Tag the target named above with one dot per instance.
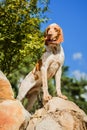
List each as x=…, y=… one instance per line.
x=48, y=66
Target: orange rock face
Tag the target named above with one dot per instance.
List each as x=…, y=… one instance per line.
x=5, y=90
x=12, y=112
x=11, y=115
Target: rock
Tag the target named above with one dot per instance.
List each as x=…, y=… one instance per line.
x=44, y=124
x=13, y=115
x=5, y=88
x=58, y=114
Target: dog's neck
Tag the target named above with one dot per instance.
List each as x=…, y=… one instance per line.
x=54, y=49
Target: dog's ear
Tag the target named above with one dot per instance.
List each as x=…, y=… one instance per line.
x=60, y=36
x=45, y=34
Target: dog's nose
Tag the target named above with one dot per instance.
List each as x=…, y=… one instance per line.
x=49, y=34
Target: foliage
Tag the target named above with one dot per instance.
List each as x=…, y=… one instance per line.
x=74, y=90
x=20, y=34
x=21, y=41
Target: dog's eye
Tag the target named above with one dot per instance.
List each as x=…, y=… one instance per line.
x=56, y=29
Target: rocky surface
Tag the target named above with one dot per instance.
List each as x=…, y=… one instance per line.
x=5, y=88
x=13, y=116
x=58, y=114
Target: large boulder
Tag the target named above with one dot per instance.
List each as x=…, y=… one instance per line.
x=13, y=115
x=58, y=114
x=6, y=91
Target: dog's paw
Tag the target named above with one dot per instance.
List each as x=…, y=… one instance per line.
x=46, y=97
x=62, y=96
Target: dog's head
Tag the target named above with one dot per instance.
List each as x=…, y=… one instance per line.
x=53, y=34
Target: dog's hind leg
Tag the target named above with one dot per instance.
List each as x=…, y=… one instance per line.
x=32, y=96
x=28, y=83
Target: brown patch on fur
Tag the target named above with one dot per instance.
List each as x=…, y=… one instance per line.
x=60, y=36
x=36, y=76
x=38, y=65
x=37, y=68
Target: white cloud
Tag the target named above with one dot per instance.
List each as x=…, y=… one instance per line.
x=78, y=75
x=84, y=96
x=77, y=56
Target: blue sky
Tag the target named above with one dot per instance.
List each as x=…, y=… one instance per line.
x=71, y=15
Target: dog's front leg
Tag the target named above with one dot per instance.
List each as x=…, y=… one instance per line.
x=46, y=95
x=58, y=83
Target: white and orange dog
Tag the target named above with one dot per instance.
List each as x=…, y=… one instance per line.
x=50, y=65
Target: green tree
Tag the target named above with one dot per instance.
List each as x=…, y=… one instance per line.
x=20, y=34
x=21, y=41
x=74, y=89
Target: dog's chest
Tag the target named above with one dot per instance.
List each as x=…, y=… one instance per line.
x=52, y=69
x=48, y=57
x=52, y=62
